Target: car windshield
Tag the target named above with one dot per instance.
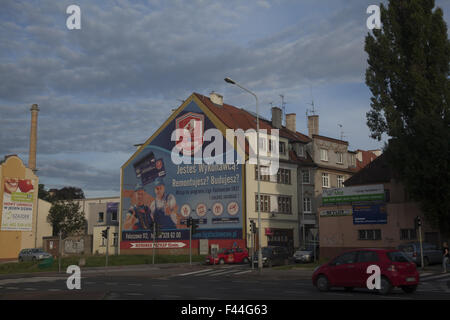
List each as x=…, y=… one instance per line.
x=398, y=256
x=223, y=251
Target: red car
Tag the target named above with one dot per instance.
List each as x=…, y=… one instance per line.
x=349, y=270
x=235, y=255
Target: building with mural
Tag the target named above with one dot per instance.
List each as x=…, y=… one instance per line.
x=23, y=217
x=222, y=198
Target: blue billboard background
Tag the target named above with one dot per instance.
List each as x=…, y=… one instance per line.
x=210, y=193
x=369, y=213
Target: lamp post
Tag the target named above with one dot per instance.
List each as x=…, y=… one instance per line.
x=228, y=80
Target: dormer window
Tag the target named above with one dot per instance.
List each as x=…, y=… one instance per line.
x=324, y=154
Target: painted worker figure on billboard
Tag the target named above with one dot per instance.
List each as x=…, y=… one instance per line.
x=164, y=207
x=138, y=216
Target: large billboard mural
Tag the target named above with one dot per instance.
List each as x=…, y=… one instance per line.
x=155, y=189
x=17, y=204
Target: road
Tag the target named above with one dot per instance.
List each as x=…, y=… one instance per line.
x=200, y=282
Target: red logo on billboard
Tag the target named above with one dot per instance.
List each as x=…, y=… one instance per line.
x=194, y=123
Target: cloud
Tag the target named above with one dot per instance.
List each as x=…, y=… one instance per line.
x=111, y=84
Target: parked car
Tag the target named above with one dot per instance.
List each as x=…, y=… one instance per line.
x=33, y=255
x=349, y=270
x=305, y=254
x=431, y=254
x=272, y=256
x=234, y=255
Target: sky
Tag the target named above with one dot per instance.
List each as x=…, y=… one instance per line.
x=110, y=85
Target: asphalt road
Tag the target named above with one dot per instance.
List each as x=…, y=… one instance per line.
x=200, y=282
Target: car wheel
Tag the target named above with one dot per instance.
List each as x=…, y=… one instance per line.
x=409, y=289
x=221, y=261
x=386, y=286
x=348, y=289
x=323, y=284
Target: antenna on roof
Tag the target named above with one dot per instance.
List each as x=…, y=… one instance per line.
x=341, y=132
x=283, y=107
x=312, y=110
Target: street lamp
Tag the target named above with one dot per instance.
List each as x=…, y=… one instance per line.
x=228, y=80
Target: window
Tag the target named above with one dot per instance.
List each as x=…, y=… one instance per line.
x=307, y=205
x=340, y=157
x=114, y=216
x=340, y=181
x=284, y=176
x=408, y=234
x=282, y=147
x=346, y=258
x=265, y=203
x=101, y=216
x=284, y=205
x=352, y=160
x=367, y=256
x=324, y=154
x=369, y=234
x=305, y=176
x=262, y=177
x=325, y=180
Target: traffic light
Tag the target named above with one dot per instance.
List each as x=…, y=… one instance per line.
x=418, y=222
x=105, y=233
x=252, y=226
x=194, y=226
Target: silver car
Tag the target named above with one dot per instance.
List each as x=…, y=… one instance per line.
x=431, y=254
x=33, y=255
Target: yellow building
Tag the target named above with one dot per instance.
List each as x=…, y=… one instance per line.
x=23, y=220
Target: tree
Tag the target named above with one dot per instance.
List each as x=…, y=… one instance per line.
x=42, y=193
x=408, y=75
x=69, y=193
x=66, y=216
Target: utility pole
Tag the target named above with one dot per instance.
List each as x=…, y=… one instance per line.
x=60, y=251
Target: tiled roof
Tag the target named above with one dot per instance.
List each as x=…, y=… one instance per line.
x=236, y=118
x=367, y=157
x=378, y=171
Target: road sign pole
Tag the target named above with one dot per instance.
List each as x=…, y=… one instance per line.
x=60, y=251
x=190, y=244
x=421, y=249
x=154, y=238
x=107, y=245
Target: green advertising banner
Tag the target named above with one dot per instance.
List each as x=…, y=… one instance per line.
x=353, y=194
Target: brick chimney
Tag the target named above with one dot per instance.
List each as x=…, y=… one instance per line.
x=313, y=125
x=276, y=117
x=33, y=138
x=291, y=122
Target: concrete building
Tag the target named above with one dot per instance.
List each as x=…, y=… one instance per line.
x=383, y=221
x=333, y=164
x=101, y=213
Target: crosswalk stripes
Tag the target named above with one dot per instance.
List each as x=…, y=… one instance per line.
x=212, y=272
